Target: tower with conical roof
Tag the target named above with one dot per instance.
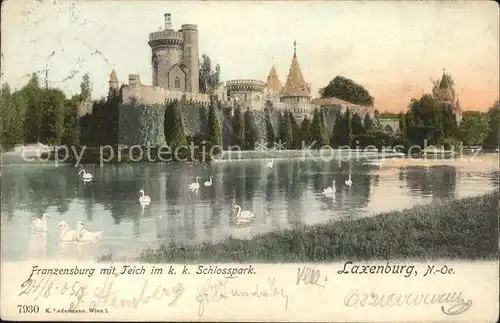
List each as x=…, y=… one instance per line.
x=444, y=92
x=273, y=83
x=296, y=90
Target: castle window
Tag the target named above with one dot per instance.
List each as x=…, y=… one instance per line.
x=177, y=83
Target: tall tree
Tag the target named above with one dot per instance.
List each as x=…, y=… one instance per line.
x=175, y=135
x=346, y=89
x=285, y=130
x=305, y=131
x=250, y=130
x=347, y=127
x=12, y=120
x=356, y=128
x=492, y=141
x=31, y=93
x=204, y=123
x=368, y=123
x=474, y=129
x=209, y=79
x=270, y=134
x=215, y=129
x=337, y=135
x=296, y=133
x=53, y=113
x=71, y=134
x=317, y=130
x=238, y=128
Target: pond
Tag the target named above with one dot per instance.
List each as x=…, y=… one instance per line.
x=285, y=196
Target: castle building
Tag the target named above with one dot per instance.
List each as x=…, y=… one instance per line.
x=175, y=64
x=175, y=75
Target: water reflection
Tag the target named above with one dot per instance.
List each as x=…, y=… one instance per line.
x=287, y=195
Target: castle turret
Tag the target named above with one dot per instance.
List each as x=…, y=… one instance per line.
x=166, y=47
x=273, y=83
x=191, y=59
x=296, y=89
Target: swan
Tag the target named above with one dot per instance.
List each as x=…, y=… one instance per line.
x=144, y=199
x=243, y=215
x=330, y=191
x=497, y=150
x=270, y=164
x=40, y=225
x=66, y=235
x=209, y=183
x=194, y=187
x=86, y=176
x=349, y=181
x=86, y=236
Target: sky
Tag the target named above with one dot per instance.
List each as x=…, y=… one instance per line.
x=394, y=49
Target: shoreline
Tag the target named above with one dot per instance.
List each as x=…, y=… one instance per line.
x=411, y=234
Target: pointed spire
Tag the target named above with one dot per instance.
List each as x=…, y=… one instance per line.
x=273, y=82
x=112, y=76
x=295, y=48
x=295, y=84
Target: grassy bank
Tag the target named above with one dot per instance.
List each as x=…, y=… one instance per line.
x=457, y=229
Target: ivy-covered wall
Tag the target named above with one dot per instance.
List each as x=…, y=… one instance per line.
x=139, y=124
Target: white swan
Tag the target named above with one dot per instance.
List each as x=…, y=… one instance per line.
x=330, y=191
x=243, y=215
x=194, y=187
x=144, y=199
x=349, y=181
x=86, y=236
x=270, y=164
x=86, y=176
x=497, y=150
x=40, y=225
x=209, y=183
x=66, y=235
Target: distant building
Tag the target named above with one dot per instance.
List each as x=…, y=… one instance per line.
x=444, y=92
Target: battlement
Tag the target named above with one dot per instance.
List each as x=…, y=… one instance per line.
x=246, y=85
x=166, y=34
x=189, y=27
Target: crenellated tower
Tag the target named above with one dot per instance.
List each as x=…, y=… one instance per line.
x=174, y=57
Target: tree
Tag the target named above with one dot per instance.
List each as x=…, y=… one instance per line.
x=204, y=123
x=356, y=127
x=175, y=135
x=317, y=131
x=324, y=131
x=346, y=89
x=474, y=129
x=53, y=113
x=13, y=115
x=270, y=134
x=368, y=123
x=337, y=135
x=492, y=141
x=347, y=138
x=296, y=133
x=71, y=133
x=86, y=88
x=215, y=129
x=209, y=79
x=250, y=130
x=285, y=130
x=305, y=131
x=31, y=93
x=238, y=128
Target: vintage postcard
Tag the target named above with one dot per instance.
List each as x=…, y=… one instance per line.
x=310, y=161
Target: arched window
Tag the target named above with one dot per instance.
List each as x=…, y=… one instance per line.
x=177, y=82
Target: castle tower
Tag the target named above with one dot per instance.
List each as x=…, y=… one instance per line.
x=190, y=57
x=114, y=84
x=296, y=89
x=167, y=51
x=273, y=83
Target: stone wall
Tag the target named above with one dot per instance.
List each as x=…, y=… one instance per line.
x=140, y=124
